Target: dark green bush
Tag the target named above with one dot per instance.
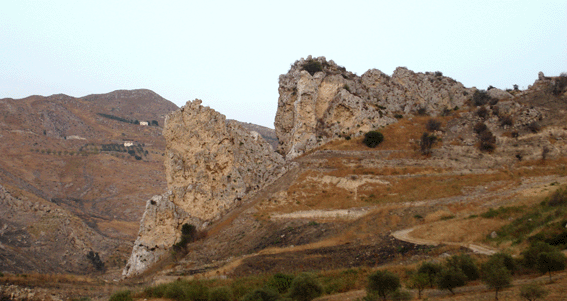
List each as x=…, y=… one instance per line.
x=262, y=294
x=155, y=291
x=280, y=282
x=373, y=138
x=176, y=291
x=312, y=66
x=450, y=279
x=532, y=291
x=121, y=296
x=496, y=275
x=401, y=295
x=426, y=143
x=480, y=98
x=431, y=270
x=548, y=262
x=305, y=288
x=220, y=294
x=464, y=263
x=433, y=125
x=382, y=283
x=506, y=259
x=531, y=254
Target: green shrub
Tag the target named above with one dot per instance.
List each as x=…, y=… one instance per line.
x=305, y=288
x=419, y=282
x=220, y=294
x=157, y=291
x=431, y=270
x=262, y=294
x=496, y=275
x=464, y=263
x=176, y=291
x=121, y=296
x=373, y=138
x=433, y=125
x=450, y=279
x=312, y=66
x=280, y=282
x=506, y=259
x=480, y=98
x=548, y=262
x=531, y=254
x=197, y=292
x=382, y=283
x=532, y=291
x=426, y=143
x=401, y=295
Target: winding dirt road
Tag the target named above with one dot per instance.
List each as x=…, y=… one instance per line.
x=404, y=235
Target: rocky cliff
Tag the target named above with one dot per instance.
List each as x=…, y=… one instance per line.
x=211, y=166
x=320, y=100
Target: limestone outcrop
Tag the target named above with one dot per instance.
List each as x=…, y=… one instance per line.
x=320, y=101
x=212, y=165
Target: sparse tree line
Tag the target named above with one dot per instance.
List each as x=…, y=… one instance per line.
x=136, y=151
x=126, y=120
x=496, y=273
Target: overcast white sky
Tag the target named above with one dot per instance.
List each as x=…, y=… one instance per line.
x=231, y=53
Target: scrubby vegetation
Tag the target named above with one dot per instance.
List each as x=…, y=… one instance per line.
x=373, y=139
x=312, y=66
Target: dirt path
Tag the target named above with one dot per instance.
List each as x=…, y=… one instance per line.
x=405, y=235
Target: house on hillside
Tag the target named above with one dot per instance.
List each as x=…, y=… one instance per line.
x=128, y=143
x=143, y=123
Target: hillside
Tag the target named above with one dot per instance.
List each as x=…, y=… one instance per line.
x=460, y=170
x=64, y=158
x=338, y=202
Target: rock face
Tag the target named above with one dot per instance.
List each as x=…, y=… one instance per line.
x=320, y=101
x=211, y=166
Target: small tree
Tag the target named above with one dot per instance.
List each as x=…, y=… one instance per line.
x=426, y=143
x=548, y=262
x=433, y=125
x=305, y=288
x=532, y=291
x=373, y=138
x=506, y=259
x=531, y=254
x=431, y=270
x=451, y=278
x=496, y=275
x=382, y=283
x=464, y=263
x=419, y=282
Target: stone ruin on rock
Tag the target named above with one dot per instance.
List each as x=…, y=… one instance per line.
x=211, y=166
x=320, y=101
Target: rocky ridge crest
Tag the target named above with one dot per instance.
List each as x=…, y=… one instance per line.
x=320, y=100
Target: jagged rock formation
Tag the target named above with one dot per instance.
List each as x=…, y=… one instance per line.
x=211, y=165
x=320, y=100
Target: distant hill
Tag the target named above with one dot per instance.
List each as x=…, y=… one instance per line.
x=68, y=155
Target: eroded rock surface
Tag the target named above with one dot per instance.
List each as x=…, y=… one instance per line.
x=211, y=166
x=317, y=106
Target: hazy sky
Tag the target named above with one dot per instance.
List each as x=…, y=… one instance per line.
x=231, y=53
